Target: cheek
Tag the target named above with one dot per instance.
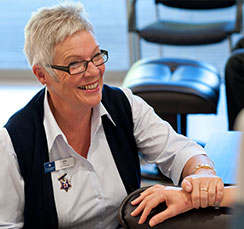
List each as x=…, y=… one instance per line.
x=102, y=69
x=64, y=77
x=66, y=81
x=59, y=80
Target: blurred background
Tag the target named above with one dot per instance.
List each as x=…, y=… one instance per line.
x=109, y=17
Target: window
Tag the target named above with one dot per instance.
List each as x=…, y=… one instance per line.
x=108, y=18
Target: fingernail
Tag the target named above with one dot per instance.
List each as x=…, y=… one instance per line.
x=152, y=223
x=188, y=188
x=132, y=202
x=140, y=221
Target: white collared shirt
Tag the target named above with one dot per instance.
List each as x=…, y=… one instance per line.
x=96, y=189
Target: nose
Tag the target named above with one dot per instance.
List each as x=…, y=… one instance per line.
x=92, y=69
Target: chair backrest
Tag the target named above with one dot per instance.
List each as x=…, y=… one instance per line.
x=179, y=30
x=197, y=4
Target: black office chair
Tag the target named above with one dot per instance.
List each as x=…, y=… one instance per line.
x=181, y=33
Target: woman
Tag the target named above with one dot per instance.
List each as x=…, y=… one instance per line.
x=71, y=152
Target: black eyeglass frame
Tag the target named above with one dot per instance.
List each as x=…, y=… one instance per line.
x=66, y=68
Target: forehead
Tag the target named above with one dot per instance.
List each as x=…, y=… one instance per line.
x=81, y=43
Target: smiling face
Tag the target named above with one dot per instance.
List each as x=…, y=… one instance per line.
x=80, y=91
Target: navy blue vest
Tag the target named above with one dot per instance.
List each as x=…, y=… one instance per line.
x=28, y=136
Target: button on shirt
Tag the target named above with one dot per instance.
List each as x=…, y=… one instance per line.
x=95, y=189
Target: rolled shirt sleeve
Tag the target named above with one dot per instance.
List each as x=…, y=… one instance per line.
x=158, y=142
x=12, y=185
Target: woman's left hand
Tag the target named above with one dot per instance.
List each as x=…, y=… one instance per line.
x=205, y=189
x=176, y=199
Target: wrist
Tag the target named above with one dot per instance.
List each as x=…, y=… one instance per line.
x=204, y=168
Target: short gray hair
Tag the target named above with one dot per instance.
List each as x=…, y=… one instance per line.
x=50, y=25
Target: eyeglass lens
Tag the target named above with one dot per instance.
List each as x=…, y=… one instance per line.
x=79, y=67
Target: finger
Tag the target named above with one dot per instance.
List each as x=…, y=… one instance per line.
x=160, y=217
x=195, y=195
x=150, y=204
x=212, y=192
x=137, y=200
x=145, y=193
x=152, y=189
x=186, y=185
x=145, y=214
x=204, y=188
x=138, y=209
x=204, y=196
x=142, y=196
x=219, y=193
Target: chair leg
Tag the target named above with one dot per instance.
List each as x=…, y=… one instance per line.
x=157, y=13
x=171, y=119
x=230, y=44
x=182, y=119
x=138, y=47
x=178, y=122
x=160, y=51
x=134, y=48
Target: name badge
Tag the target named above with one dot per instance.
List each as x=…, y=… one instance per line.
x=59, y=164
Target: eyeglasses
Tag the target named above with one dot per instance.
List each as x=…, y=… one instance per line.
x=81, y=66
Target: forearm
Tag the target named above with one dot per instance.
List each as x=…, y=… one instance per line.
x=195, y=161
x=229, y=196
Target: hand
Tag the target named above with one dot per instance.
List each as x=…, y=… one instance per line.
x=176, y=199
x=206, y=189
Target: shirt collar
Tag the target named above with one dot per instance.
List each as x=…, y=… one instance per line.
x=51, y=127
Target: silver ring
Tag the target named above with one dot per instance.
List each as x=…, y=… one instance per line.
x=204, y=189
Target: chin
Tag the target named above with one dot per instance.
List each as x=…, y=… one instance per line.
x=95, y=101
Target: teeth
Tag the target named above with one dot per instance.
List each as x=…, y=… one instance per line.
x=89, y=87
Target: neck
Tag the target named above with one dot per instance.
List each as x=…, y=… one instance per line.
x=76, y=126
x=70, y=116
x=71, y=120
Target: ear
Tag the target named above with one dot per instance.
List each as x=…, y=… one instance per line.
x=40, y=74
